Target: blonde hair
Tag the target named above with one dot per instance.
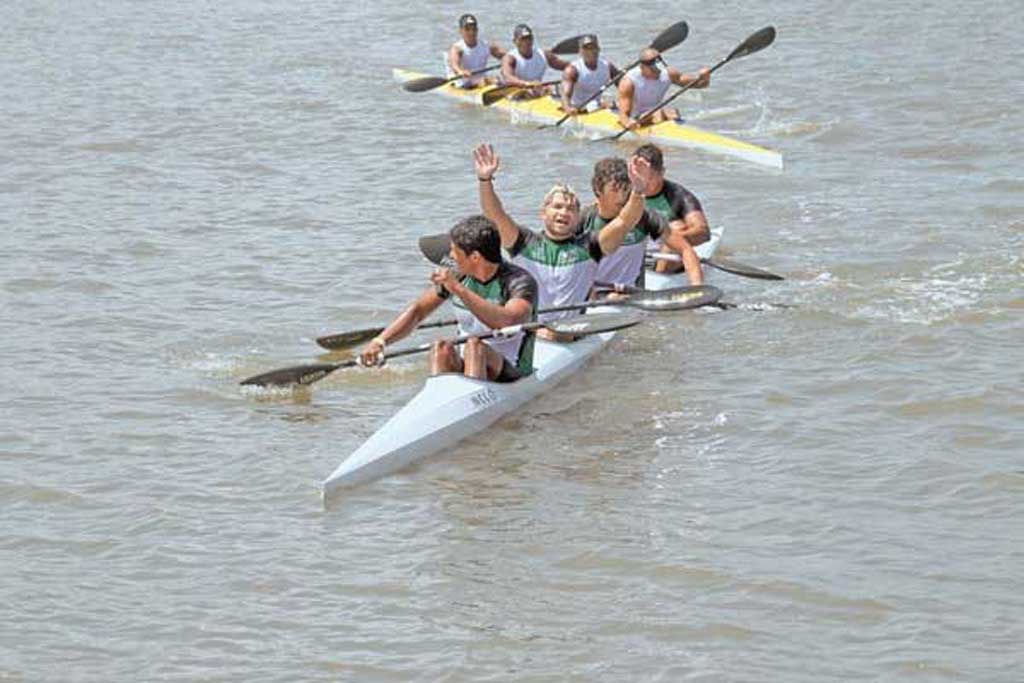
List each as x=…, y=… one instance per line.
x=564, y=190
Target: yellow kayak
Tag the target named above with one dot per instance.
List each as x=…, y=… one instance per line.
x=603, y=122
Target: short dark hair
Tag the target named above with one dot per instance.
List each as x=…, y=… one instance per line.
x=653, y=155
x=477, y=233
x=609, y=170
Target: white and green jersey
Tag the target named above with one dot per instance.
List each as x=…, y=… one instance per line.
x=510, y=282
x=564, y=270
x=626, y=265
x=673, y=202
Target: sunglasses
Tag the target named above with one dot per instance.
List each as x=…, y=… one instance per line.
x=652, y=62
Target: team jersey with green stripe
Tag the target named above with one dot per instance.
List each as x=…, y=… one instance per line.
x=564, y=270
x=509, y=282
x=626, y=264
x=673, y=201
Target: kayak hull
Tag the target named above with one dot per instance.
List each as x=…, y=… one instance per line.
x=451, y=407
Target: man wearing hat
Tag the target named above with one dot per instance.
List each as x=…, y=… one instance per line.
x=525, y=64
x=469, y=54
x=583, y=78
x=644, y=87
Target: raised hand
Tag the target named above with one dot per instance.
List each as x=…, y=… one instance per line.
x=640, y=173
x=486, y=162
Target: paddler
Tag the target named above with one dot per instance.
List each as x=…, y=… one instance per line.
x=677, y=204
x=491, y=293
x=525, y=64
x=611, y=185
x=563, y=260
x=584, y=77
x=644, y=87
x=470, y=53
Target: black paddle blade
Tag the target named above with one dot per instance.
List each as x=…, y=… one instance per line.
x=581, y=325
x=675, y=299
x=670, y=37
x=569, y=46
x=298, y=374
x=424, y=84
x=344, y=340
x=501, y=92
x=435, y=247
x=754, y=43
x=741, y=269
x=498, y=94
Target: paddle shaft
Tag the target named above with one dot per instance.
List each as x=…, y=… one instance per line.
x=665, y=102
x=307, y=374
x=732, y=267
x=593, y=97
x=427, y=83
x=667, y=39
x=345, y=339
x=755, y=42
x=433, y=82
x=579, y=325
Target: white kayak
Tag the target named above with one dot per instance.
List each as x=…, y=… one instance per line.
x=451, y=407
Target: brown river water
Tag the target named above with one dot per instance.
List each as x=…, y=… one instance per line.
x=190, y=192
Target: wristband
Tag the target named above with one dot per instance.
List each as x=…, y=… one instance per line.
x=485, y=180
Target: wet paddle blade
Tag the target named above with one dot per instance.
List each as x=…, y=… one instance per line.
x=424, y=84
x=435, y=247
x=670, y=37
x=344, y=340
x=755, y=43
x=569, y=46
x=675, y=299
x=298, y=374
x=597, y=323
x=741, y=269
x=498, y=94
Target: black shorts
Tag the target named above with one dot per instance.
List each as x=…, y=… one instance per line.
x=509, y=373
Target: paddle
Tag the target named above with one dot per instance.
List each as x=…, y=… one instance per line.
x=431, y=82
x=577, y=325
x=666, y=40
x=435, y=248
x=754, y=43
x=503, y=91
x=725, y=306
x=673, y=299
x=343, y=340
x=566, y=47
x=724, y=265
x=569, y=46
